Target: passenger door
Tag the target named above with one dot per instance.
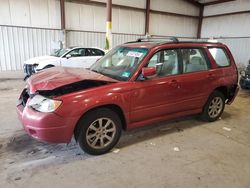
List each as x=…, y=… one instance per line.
x=196, y=80
x=93, y=56
x=157, y=96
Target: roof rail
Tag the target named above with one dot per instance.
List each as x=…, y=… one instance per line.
x=148, y=39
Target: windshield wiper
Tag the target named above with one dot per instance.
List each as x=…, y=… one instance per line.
x=108, y=75
x=95, y=71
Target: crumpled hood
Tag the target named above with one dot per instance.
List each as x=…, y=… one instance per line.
x=55, y=77
x=40, y=59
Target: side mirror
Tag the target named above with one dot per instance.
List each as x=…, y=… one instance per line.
x=148, y=71
x=68, y=56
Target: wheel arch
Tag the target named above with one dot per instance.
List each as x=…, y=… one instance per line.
x=115, y=108
x=229, y=92
x=223, y=90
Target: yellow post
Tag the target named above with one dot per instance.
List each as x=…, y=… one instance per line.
x=108, y=45
x=108, y=40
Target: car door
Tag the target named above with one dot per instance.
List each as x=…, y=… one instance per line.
x=196, y=80
x=157, y=96
x=92, y=56
x=75, y=58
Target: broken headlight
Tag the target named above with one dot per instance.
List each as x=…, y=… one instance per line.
x=43, y=104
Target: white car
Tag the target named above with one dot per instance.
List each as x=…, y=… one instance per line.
x=71, y=57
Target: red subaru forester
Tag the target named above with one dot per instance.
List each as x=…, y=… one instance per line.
x=135, y=84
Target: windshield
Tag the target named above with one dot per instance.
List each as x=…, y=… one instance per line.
x=120, y=63
x=59, y=53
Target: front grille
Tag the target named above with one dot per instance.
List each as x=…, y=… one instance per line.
x=29, y=69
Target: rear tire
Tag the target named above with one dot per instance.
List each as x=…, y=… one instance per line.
x=214, y=107
x=98, y=131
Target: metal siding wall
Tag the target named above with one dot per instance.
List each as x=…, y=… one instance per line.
x=234, y=6
x=128, y=21
x=93, y=18
x=84, y=17
x=122, y=38
x=131, y=3
x=97, y=39
x=173, y=25
x=227, y=26
x=233, y=30
x=175, y=6
x=30, y=13
x=18, y=44
x=87, y=39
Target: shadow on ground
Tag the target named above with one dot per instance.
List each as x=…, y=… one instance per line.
x=23, y=148
x=21, y=153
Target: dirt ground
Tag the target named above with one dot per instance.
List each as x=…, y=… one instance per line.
x=181, y=153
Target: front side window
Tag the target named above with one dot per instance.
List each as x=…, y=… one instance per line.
x=120, y=63
x=220, y=57
x=165, y=62
x=194, y=60
x=78, y=52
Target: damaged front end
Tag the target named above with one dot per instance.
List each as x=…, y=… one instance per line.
x=46, y=95
x=41, y=103
x=73, y=87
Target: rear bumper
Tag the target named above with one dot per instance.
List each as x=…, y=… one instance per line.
x=48, y=127
x=232, y=94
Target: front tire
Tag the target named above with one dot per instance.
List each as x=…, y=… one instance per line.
x=214, y=107
x=99, y=131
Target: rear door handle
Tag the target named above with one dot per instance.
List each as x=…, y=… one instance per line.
x=174, y=83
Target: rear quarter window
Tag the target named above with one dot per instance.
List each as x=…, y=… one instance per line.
x=220, y=57
x=96, y=52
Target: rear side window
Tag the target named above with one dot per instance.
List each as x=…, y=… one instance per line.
x=95, y=52
x=220, y=57
x=194, y=60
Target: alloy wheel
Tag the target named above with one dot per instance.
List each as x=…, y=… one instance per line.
x=101, y=133
x=215, y=107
